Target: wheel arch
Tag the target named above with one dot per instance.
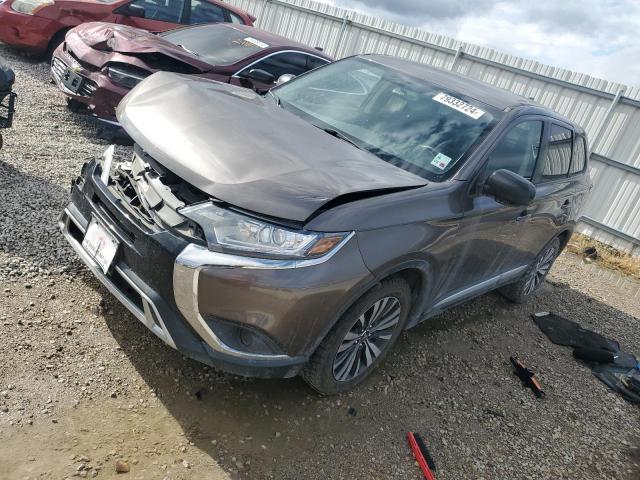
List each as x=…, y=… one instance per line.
x=564, y=237
x=416, y=273
x=57, y=38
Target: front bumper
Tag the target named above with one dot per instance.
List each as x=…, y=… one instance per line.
x=184, y=293
x=28, y=32
x=97, y=92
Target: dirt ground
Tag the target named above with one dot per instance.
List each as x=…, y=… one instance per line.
x=83, y=384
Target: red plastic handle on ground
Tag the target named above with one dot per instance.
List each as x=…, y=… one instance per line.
x=428, y=475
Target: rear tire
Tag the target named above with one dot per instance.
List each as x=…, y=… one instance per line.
x=525, y=288
x=361, y=339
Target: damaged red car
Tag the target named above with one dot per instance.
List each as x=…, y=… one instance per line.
x=39, y=26
x=99, y=62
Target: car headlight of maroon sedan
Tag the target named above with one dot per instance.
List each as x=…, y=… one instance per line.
x=99, y=62
x=30, y=7
x=303, y=231
x=124, y=75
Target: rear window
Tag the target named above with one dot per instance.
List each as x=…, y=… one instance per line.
x=579, y=155
x=558, y=154
x=204, y=12
x=236, y=19
x=218, y=44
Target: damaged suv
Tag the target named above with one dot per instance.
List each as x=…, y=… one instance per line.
x=302, y=232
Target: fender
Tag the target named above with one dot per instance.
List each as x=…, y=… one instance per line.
x=425, y=269
x=418, y=308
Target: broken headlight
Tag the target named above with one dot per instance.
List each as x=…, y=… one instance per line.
x=228, y=229
x=126, y=75
x=30, y=7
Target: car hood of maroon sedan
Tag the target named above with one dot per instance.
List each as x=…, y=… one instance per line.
x=110, y=37
x=245, y=150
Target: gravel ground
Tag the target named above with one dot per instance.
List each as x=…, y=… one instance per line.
x=84, y=386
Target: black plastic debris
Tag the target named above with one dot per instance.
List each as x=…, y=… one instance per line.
x=617, y=369
x=7, y=77
x=527, y=377
x=590, y=252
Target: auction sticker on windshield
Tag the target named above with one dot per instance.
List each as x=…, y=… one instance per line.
x=256, y=42
x=100, y=244
x=441, y=161
x=459, y=105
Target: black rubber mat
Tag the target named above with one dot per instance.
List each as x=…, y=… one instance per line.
x=617, y=369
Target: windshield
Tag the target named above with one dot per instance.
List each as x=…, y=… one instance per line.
x=409, y=122
x=218, y=44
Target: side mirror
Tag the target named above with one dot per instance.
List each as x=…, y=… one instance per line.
x=131, y=10
x=287, y=77
x=261, y=76
x=509, y=187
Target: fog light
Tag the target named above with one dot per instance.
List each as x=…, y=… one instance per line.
x=242, y=338
x=246, y=338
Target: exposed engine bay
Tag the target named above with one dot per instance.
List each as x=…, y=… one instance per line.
x=153, y=194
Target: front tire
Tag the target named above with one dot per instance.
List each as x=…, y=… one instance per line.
x=361, y=339
x=525, y=288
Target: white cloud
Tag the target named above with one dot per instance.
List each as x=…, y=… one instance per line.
x=599, y=38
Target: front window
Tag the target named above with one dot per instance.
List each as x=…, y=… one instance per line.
x=162, y=10
x=217, y=44
x=409, y=122
x=281, y=64
x=518, y=150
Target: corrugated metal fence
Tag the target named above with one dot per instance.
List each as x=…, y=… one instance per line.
x=609, y=111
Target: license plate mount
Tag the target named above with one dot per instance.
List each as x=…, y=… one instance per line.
x=100, y=244
x=71, y=80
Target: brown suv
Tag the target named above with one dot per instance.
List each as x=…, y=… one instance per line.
x=301, y=232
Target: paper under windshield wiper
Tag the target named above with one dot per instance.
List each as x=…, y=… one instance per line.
x=340, y=135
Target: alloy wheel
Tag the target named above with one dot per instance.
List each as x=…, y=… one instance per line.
x=367, y=339
x=540, y=270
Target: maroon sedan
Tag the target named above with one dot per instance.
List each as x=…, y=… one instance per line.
x=100, y=62
x=39, y=26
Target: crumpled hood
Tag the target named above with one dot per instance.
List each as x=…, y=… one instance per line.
x=245, y=150
x=111, y=37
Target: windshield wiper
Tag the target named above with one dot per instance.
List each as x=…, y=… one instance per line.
x=340, y=135
x=275, y=98
x=187, y=50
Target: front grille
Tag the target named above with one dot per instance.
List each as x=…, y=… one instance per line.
x=88, y=88
x=58, y=69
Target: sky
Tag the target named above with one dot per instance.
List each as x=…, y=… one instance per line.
x=600, y=38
